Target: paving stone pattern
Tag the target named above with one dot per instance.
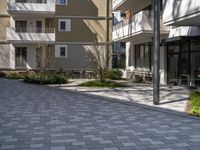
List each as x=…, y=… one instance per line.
x=36, y=117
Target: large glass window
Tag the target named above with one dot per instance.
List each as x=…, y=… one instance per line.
x=20, y=56
x=184, y=62
x=143, y=57
x=195, y=62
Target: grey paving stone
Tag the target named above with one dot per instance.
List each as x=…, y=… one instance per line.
x=58, y=148
x=36, y=117
x=36, y=145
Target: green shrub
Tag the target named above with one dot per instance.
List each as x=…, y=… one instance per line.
x=114, y=74
x=97, y=83
x=45, y=78
x=195, y=100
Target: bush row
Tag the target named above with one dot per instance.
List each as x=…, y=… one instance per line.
x=45, y=78
x=114, y=74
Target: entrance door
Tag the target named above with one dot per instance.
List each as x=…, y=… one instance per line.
x=20, y=56
x=38, y=26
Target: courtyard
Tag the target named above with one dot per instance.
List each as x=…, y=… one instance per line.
x=46, y=118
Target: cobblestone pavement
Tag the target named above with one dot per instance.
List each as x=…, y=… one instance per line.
x=42, y=118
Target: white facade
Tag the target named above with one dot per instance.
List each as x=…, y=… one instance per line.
x=180, y=30
x=30, y=26
x=181, y=12
x=140, y=25
x=45, y=9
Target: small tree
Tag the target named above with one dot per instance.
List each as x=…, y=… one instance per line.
x=98, y=57
x=44, y=56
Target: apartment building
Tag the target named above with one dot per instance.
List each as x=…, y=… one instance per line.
x=66, y=28
x=179, y=45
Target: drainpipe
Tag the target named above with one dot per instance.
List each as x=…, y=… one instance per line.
x=156, y=56
x=107, y=34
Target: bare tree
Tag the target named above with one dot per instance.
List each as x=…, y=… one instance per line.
x=99, y=58
x=44, y=56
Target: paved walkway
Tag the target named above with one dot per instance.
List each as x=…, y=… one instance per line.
x=173, y=98
x=44, y=118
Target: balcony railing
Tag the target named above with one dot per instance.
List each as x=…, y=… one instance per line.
x=30, y=1
x=21, y=34
x=31, y=7
x=133, y=5
x=140, y=23
x=33, y=30
x=181, y=12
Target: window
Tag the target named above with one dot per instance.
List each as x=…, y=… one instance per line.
x=64, y=25
x=143, y=56
x=61, y=2
x=61, y=51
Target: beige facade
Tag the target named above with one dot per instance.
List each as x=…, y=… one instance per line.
x=68, y=28
x=3, y=7
x=4, y=23
x=83, y=8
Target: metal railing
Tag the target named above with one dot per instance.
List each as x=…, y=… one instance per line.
x=29, y=1
x=34, y=30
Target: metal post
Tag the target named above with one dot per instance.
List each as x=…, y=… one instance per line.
x=107, y=47
x=156, y=56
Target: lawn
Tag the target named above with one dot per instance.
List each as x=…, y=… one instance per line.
x=194, y=104
x=97, y=83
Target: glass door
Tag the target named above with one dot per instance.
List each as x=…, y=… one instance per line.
x=20, y=56
x=195, y=62
x=38, y=26
x=173, y=55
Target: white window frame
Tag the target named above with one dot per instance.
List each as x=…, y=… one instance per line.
x=58, y=51
x=67, y=25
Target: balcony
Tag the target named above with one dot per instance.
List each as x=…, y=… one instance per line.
x=46, y=8
x=138, y=27
x=134, y=5
x=181, y=12
x=30, y=35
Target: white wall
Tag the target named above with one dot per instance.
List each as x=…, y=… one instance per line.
x=163, y=66
x=177, y=11
x=31, y=57
x=33, y=7
x=184, y=31
x=4, y=56
x=12, y=56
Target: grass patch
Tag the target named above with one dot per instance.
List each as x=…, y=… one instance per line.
x=97, y=83
x=194, y=104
